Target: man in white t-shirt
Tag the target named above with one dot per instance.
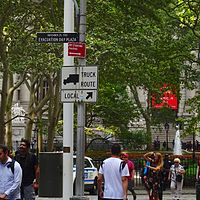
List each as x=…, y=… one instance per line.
x=114, y=173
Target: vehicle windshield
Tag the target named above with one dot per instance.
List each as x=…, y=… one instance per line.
x=87, y=163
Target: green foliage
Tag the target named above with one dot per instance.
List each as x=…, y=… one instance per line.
x=113, y=107
x=136, y=44
x=163, y=115
x=134, y=139
x=100, y=131
x=136, y=49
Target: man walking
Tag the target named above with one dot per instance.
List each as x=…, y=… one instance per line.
x=10, y=176
x=114, y=173
x=29, y=165
x=131, y=169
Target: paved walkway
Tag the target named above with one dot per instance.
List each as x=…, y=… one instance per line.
x=188, y=194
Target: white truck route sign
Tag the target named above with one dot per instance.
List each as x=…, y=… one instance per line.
x=79, y=78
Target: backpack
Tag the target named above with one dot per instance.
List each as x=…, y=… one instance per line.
x=122, y=165
x=11, y=165
x=145, y=170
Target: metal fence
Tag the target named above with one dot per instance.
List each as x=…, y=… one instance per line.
x=189, y=164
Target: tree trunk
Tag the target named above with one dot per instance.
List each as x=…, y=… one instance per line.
x=54, y=110
x=4, y=90
x=149, y=135
x=145, y=114
x=9, y=112
x=9, y=130
x=31, y=110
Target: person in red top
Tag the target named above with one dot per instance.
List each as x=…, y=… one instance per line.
x=131, y=167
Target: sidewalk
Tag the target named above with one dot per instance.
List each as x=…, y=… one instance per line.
x=167, y=192
x=187, y=194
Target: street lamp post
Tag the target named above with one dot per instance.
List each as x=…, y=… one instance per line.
x=193, y=151
x=166, y=131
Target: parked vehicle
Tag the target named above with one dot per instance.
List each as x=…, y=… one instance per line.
x=90, y=175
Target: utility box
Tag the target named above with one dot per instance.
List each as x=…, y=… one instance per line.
x=50, y=181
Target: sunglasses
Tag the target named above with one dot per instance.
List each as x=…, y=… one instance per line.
x=23, y=145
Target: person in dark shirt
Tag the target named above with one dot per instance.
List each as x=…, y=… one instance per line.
x=29, y=165
x=166, y=169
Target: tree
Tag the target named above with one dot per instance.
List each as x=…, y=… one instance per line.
x=20, y=53
x=139, y=52
x=187, y=14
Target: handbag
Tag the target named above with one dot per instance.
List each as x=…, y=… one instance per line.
x=179, y=177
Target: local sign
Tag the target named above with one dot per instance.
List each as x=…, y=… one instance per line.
x=57, y=37
x=68, y=96
x=79, y=78
x=77, y=49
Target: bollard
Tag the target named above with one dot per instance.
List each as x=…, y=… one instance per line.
x=79, y=198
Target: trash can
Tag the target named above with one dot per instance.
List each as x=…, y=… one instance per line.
x=198, y=190
x=50, y=181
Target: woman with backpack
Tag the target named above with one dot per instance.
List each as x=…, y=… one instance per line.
x=153, y=178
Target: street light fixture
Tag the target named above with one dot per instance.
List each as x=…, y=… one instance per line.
x=166, y=131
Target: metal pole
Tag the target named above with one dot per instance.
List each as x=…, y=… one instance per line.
x=167, y=135
x=81, y=112
x=193, y=152
x=68, y=110
x=167, y=138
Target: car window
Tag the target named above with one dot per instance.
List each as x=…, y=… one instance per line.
x=74, y=162
x=87, y=163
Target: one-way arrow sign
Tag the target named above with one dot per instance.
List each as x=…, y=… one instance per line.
x=89, y=95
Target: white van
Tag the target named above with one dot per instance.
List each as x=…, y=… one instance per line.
x=90, y=175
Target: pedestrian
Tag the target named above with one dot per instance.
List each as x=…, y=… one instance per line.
x=131, y=168
x=113, y=172
x=176, y=175
x=29, y=164
x=10, y=176
x=153, y=178
x=198, y=172
x=166, y=168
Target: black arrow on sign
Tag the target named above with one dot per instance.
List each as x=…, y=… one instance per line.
x=89, y=95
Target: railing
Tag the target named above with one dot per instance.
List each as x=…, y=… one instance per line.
x=189, y=165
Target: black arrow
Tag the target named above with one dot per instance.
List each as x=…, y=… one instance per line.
x=89, y=95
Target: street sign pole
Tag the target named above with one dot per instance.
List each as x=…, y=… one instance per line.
x=68, y=111
x=81, y=112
